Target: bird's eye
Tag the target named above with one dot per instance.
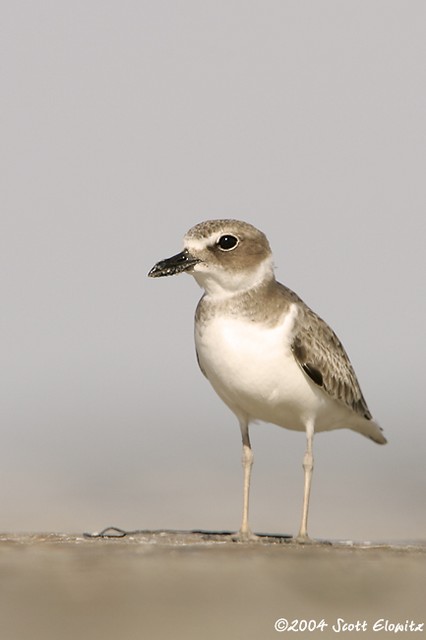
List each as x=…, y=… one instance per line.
x=227, y=243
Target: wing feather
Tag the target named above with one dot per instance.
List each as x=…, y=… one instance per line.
x=322, y=357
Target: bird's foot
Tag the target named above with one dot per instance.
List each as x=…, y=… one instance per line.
x=245, y=535
x=303, y=538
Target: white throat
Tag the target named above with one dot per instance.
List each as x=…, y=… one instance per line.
x=220, y=283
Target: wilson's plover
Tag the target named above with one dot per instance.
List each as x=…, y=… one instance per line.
x=264, y=351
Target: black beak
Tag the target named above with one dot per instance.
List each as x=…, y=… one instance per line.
x=176, y=264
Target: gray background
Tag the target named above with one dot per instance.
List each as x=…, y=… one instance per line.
x=125, y=123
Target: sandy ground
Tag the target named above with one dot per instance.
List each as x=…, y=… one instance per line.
x=164, y=585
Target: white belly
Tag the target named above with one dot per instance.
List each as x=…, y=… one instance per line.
x=253, y=370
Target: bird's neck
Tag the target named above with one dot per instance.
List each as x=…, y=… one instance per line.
x=222, y=284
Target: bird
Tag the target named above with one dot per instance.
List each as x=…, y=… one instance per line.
x=267, y=355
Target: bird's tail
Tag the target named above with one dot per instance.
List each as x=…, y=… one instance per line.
x=371, y=430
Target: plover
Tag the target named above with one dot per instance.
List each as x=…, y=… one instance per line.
x=268, y=356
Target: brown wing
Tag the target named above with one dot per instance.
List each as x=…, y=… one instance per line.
x=322, y=357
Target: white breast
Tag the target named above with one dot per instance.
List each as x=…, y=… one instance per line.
x=251, y=367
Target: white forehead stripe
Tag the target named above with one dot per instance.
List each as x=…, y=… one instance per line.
x=199, y=244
